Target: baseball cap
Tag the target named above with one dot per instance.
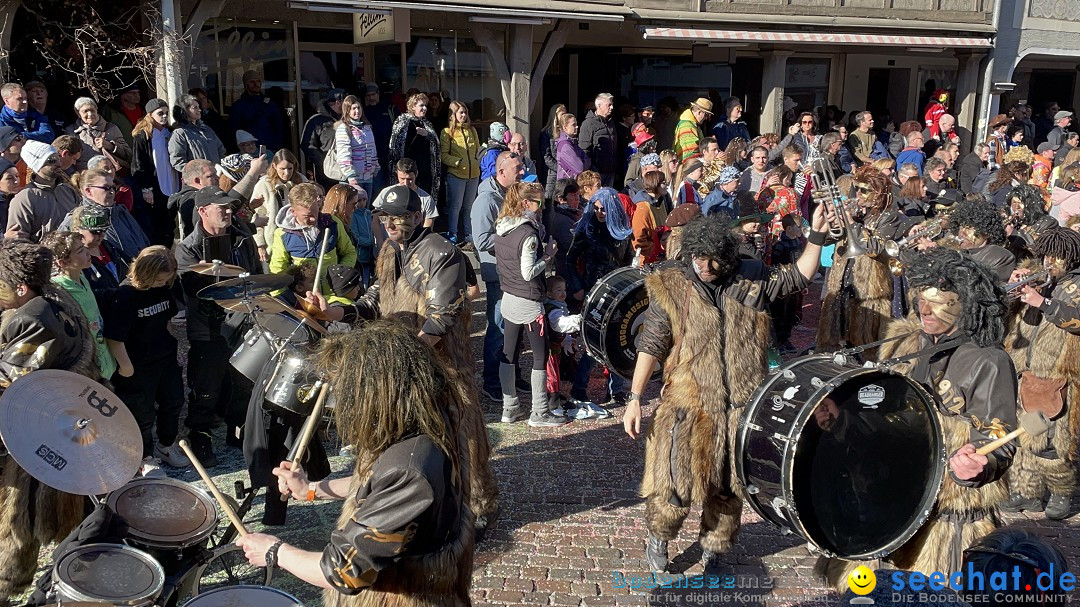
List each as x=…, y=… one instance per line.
x=342, y=278
x=372, y=88
x=92, y=217
x=530, y=178
x=335, y=95
x=1046, y=145
x=1062, y=114
x=7, y=135
x=212, y=194
x=33, y=84
x=243, y=136
x=398, y=200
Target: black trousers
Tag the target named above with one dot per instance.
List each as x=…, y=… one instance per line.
x=215, y=387
x=159, y=382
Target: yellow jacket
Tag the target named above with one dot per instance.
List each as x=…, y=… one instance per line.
x=459, y=152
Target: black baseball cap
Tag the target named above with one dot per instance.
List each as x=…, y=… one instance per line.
x=398, y=200
x=212, y=194
x=343, y=278
x=335, y=95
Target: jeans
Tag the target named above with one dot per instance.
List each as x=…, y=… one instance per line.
x=378, y=182
x=493, y=337
x=460, y=194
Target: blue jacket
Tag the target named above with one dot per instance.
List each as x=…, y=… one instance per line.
x=30, y=123
x=914, y=156
x=726, y=131
x=719, y=201
x=488, y=155
x=261, y=117
x=360, y=227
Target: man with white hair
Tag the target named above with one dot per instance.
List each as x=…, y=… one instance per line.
x=946, y=134
x=598, y=139
x=17, y=113
x=1062, y=120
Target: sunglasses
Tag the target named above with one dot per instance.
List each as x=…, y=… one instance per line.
x=97, y=232
x=108, y=188
x=599, y=209
x=807, y=121
x=386, y=220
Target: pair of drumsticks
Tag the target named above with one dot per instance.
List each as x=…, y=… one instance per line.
x=305, y=438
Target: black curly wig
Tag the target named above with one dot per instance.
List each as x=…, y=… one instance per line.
x=711, y=237
x=983, y=315
x=1062, y=243
x=23, y=262
x=981, y=215
x=1032, y=200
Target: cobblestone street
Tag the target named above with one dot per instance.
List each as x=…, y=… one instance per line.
x=571, y=528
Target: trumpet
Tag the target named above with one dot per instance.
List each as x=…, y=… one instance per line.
x=1037, y=279
x=826, y=191
x=930, y=228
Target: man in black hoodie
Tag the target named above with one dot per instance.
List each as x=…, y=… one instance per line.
x=318, y=135
x=598, y=139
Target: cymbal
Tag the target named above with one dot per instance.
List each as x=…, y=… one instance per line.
x=70, y=432
x=312, y=310
x=306, y=318
x=262, y=303
x=237, y=288
x=216, y=268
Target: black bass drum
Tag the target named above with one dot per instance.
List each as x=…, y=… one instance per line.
x=849, y=458
x=612, y=315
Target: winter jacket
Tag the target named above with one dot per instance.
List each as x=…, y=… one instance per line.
x=294, y=243
x=182, y=204
x=598, y=139
x=363, y=238
x=29, y=123
x=356, y=152
x=124, y=233
x=518, y=255
x=381, y=117
x=459, y=152
x=424, y=150
x=970, y=167
x=40, y=208
x=156, y=220
x=914, y=156
x=726, y=130
x=563, y=221
x=489, y=199
x=1066, y=203
x=117, y=116
x=206, y=320
x=688, y=136
x=274, y=199
x=192, y=141
x=318, y=138
x=115, y=144
x=570, y=158
x=488, y=155
x=648, y=223
x=261, y=117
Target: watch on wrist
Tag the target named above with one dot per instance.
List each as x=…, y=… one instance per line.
x=271, y=554
x=633, y=396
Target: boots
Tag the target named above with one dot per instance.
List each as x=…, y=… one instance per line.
x=1017, y=502
x=541, y=417
x=656, y=554
x=512, y=409
x=1057, y=508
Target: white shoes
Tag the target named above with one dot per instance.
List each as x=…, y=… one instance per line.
x=172, y=456
x=151, y=468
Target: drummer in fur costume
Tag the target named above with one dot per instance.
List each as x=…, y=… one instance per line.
x=858, y=296
x=1044, y=342
x=706, y=322
x=421, y=282
x=405, y=534
x=41, y=328
x=961, y=325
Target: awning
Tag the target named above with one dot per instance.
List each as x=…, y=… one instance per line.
x=825, y=38
x=535, y=9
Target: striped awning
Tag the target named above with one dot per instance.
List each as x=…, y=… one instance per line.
x=825, y=38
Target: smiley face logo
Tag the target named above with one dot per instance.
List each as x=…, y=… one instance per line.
x=862, y=581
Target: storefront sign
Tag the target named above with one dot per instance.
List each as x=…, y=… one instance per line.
x=373, y=26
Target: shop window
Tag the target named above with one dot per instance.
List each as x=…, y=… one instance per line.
x=458, y=67
x=807, y=84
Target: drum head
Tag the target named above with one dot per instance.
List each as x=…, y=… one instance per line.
x=244, y=596
x=109, y=573
x=285, y=328
x=164, y=512
x=868, y=464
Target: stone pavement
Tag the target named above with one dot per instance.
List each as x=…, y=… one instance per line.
x=571, y=529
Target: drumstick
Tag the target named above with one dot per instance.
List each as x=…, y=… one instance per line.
x=309, y=429
x=240, y=528
x=1031, y=423
x=322, y=255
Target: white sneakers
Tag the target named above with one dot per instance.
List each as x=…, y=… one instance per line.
x=172, y=455
x=151, y=468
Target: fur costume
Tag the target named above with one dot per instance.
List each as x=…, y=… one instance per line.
x=862, y=317
x=31, y=513
x=1050, y=352
x=399, y=300
x=961, y=515
x=689, y=445
x=433, y=580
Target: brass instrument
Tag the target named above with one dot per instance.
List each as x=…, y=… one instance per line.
x=1037, y=279
x=826, y=191
x=930, y=228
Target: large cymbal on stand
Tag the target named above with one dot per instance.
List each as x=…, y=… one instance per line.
x=217, y=268
x=70, y=432
x=246, y=286
x=263, y=304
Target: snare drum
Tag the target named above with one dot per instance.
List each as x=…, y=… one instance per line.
x=851, y=459
x=108, y=573
x=271, y=333
x=168, y=518
x=233, y=596
x=291, y=387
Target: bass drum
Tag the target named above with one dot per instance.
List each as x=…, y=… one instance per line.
x=851, y=459
x=613, y=313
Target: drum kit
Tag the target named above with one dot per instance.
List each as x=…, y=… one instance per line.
x=74, y=435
